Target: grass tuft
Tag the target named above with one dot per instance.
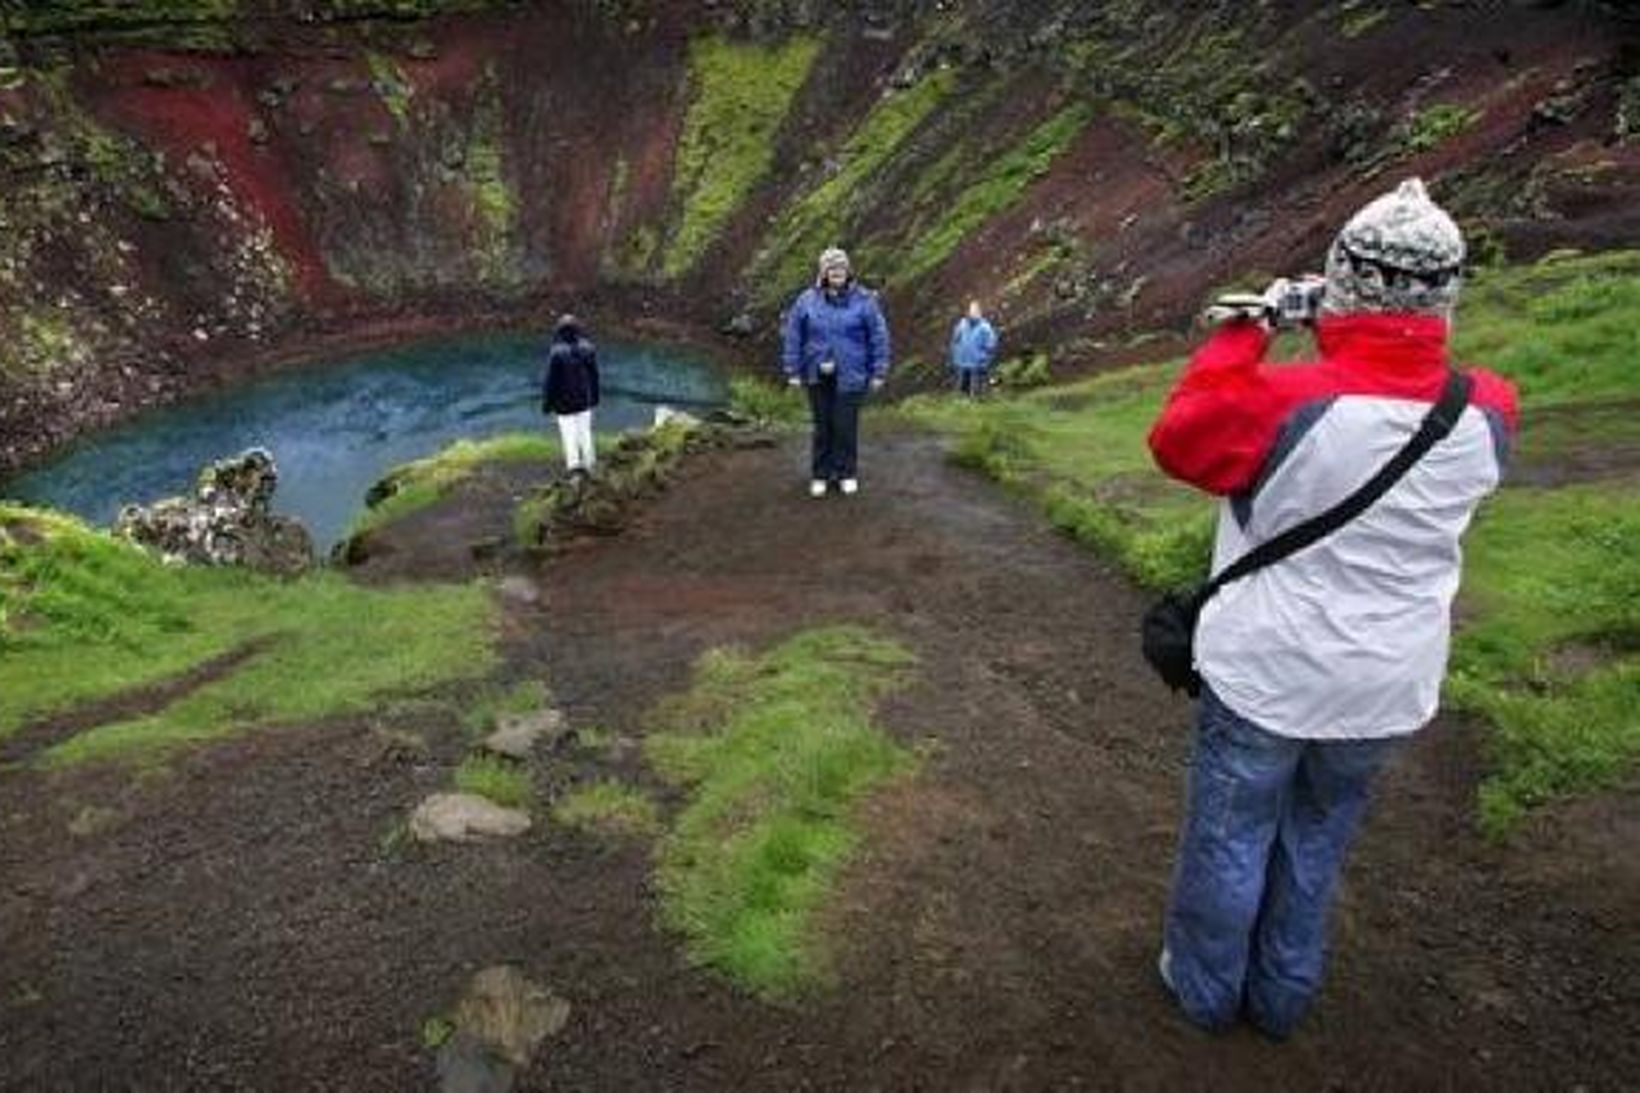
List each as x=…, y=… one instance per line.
x=775, y=750
x=494, y=702
x=765, y=401
x=500, y=780
x=608, y=808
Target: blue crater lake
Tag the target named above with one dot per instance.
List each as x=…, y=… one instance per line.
x=335, y=429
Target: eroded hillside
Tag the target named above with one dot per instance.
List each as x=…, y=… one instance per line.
x=196, y=190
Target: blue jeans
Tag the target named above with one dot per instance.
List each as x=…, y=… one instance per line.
x=1270, y=820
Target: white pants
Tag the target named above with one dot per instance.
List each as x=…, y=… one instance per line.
x=575, y=430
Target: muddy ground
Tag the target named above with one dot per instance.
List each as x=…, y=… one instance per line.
x=246, y=921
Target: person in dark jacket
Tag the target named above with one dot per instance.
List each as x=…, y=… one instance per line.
x=570, y=390
x=836, y=346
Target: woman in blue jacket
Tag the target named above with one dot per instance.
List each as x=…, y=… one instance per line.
x=836, y=345
x=973, y=346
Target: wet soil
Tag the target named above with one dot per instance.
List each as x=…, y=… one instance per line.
x=248, y=919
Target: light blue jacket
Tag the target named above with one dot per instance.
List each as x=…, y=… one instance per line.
x=973, y=344
x=847, y=328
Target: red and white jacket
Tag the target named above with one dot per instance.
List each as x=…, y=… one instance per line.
x=1347, y=638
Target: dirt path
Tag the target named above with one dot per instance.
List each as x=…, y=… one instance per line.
x=237, y=927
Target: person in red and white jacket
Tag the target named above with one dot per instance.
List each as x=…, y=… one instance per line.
x=1313, y=667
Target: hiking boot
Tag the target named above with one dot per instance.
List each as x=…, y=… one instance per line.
x=817, y=487
x=850, y=486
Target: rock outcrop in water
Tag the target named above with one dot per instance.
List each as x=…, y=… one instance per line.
x=228, y=520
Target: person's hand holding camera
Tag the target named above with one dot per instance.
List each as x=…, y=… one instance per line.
x=1236, y=307
x=1286, y=303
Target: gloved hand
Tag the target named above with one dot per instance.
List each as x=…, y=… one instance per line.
x=794, y=381
x=877, y=383
x=1295, y=302
x=1234, y=306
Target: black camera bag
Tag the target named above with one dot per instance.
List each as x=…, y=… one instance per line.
x=1167, y=633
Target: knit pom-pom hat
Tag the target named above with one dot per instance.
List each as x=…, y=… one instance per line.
x=1401, y=253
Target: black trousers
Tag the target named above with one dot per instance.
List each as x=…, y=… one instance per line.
x=971, y=381
x=836, y=430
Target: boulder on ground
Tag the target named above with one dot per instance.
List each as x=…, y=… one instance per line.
x=463, y=817
x=227, y=521
x=516, y=735
x=500, y=1024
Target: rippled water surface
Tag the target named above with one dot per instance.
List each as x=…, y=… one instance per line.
x=337, y=428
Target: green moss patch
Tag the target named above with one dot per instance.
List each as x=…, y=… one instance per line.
x=766, y=401
x=1550, y=652
x=774, y=752
x=741, y=95
x=816, y=220
x=608, y=808
x=1005, y=180
x=1436, y=125
x=503, y=781
x=414, y=486
x=85, y=617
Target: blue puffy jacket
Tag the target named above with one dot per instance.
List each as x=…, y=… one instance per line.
x=847, y=327
x=973, y=344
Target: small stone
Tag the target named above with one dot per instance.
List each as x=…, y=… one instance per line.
x=516, y=735
x=462, y=817
x=741, y=326
x=520, y=590
x=508, y=1014
x=665, y=414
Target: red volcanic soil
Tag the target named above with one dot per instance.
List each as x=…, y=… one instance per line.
x=179, y=121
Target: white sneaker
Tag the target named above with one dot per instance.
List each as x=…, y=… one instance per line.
x=817, y=487
x=851, y=486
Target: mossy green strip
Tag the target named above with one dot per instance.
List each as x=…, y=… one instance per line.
x=414, y=486
x=392, y=85
x=813, y=221
x=85, y=617
x=774, y=750
x=741, y=94
x=1005, y=180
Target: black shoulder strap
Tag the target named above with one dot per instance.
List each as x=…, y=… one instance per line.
x=1436, y=425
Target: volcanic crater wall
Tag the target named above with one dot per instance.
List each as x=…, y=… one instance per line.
x=192, y=191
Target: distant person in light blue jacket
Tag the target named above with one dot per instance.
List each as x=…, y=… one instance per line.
x=973, y=348
x=836, y=346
